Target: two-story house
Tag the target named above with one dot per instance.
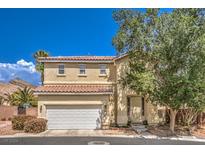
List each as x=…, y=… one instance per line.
x=83, y=92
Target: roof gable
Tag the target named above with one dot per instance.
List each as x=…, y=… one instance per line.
x=89, y=59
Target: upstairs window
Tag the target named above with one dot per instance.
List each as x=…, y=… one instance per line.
x=82, y=69
x=102, y=69
x=61, y=69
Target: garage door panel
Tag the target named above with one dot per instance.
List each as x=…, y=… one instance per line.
x=71, y=127
x=76, y=112
x=70, y=120
x=74, y=107
x=74, y=117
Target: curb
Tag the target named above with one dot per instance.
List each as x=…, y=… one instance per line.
x=120, y=136
x=175, y=138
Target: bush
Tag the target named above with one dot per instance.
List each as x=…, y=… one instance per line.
x=35, y=125
x=145, y=122
x=18, y=121
x=3, y=119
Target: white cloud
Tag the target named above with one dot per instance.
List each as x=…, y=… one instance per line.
x=21, y=69
x=25, y=64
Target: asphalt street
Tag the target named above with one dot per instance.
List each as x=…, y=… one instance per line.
x=86, y=140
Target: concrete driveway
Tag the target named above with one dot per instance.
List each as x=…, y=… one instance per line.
x=124, y=133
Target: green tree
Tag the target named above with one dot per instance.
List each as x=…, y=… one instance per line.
x=21, y=96
x=167, y=56
x=135, y=37
x=9, y=98
x=40, y=65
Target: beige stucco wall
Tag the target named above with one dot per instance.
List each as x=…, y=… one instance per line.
x=72, y=73
x=116, y=109
x=151, y=112
x=105, y=100
x=121, y=68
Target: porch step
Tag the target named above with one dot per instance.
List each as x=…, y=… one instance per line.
x=139, y=128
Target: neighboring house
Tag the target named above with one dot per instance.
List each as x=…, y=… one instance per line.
x=6, y=110
x=21, y=83
x=13, y=86
x=83, y=92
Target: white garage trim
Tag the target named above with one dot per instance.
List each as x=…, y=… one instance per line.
x=76, y=103
x=74, y=116
x=44, y=93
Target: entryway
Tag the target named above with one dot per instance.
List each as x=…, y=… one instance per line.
x=135, y=109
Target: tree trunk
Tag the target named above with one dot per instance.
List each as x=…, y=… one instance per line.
x=42, y=78
x=201, y=119
x=172, y=119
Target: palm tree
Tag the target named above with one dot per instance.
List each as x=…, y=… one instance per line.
x=1, y=100
x=10, y=98
x=20, y=97
x=39, y=65
x=24, y=96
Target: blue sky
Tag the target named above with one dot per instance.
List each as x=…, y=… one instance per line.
x=62, y=32
x=59, y=31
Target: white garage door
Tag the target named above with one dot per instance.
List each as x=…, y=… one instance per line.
x=74, y=117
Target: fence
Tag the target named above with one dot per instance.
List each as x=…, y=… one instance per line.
x=7, y=112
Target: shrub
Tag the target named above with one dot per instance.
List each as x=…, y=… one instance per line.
x=145, y=122
x=18, y=121
x=129, y=123
x=34, y=103
x=3, y=119
x=35, y=125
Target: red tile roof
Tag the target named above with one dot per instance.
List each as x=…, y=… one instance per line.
x=13, y=86
x=78, y=58
x=7, y=88
x=69, y=89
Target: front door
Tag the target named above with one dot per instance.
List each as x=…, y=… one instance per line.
x=136, y=109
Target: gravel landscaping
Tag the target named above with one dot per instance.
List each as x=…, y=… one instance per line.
x=163, y=131
x=200, y=133
x=6, y=128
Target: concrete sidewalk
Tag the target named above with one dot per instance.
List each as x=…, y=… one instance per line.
x=148, y=135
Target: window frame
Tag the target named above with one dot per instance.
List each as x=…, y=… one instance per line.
x=82, y=69
x=103, y=69
x=61, y=69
